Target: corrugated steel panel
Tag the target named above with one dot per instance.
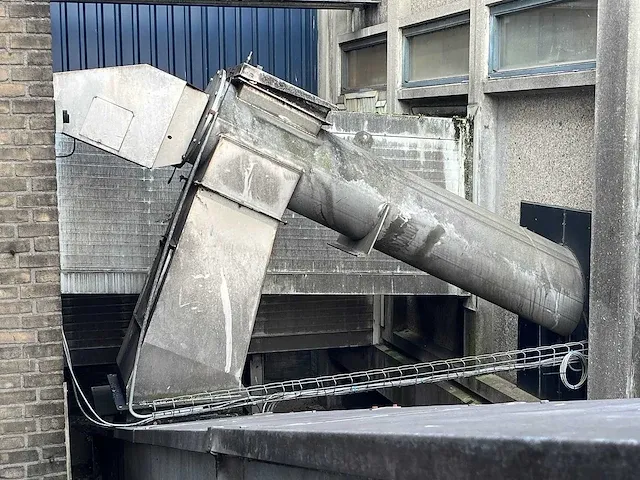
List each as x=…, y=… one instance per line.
x=191, y=42
x=112, y=216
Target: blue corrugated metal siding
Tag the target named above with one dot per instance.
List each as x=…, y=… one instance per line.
x=190, y=42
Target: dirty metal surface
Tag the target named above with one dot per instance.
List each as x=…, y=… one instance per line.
x=304, y=262
x=201, y=326
x=136, y=112
x=569, y=440
x=345, y=187
x=119, y=210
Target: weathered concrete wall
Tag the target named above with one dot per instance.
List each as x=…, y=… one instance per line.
x=533, y=136
x=545, y=150
x=32, y=439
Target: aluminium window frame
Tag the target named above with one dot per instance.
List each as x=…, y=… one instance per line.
x=463, y=18
x=515, y=6
x=346, y=47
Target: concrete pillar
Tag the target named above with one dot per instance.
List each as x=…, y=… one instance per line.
x=490, y=328
x=396, y=11
x=614, y=330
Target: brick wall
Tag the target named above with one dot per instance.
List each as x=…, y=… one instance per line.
x=32, y=440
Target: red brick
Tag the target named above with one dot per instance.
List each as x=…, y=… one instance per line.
x=39, y=260
x=10, y=277
x=15, y=308
x=22, y=426
x=31, y=41
x=17, y=336
x=48, y=305
x=29, y=10
x=12, y=90
x=10, y=382
x=13, y=185
x=39, y=290
x=46, y=244
x=8, y=25
x=38, y=230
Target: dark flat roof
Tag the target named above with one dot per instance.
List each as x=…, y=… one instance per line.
x=580, y=439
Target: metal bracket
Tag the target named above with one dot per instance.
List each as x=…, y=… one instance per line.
x=116, y=392
x=362, y=247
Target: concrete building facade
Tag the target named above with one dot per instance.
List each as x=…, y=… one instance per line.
x=533, y=129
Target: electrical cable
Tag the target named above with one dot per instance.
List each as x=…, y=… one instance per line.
x=73, y=150
x=98, y=420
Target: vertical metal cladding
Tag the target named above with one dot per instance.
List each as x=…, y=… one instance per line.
x=190, y=42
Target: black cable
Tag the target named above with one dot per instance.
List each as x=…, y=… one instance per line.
x=72, y=151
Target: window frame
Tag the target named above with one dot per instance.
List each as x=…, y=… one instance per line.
x=360, y=44
x=429, y=27
x=494, y=44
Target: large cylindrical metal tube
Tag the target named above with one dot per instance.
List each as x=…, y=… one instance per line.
x=345, y=188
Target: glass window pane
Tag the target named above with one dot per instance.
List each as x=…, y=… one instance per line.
x=548, y=35
x=439, y=54
x=366, y=67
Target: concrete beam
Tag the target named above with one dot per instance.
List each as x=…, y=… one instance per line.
x=614, y=336
x=325, y=4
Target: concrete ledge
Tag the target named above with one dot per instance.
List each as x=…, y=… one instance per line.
x=363, y=33
x=449, y=90
x=540, y=82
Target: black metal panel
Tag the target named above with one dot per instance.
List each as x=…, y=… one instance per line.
x=569, y=440
x=571, y=228
x=95, y=324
